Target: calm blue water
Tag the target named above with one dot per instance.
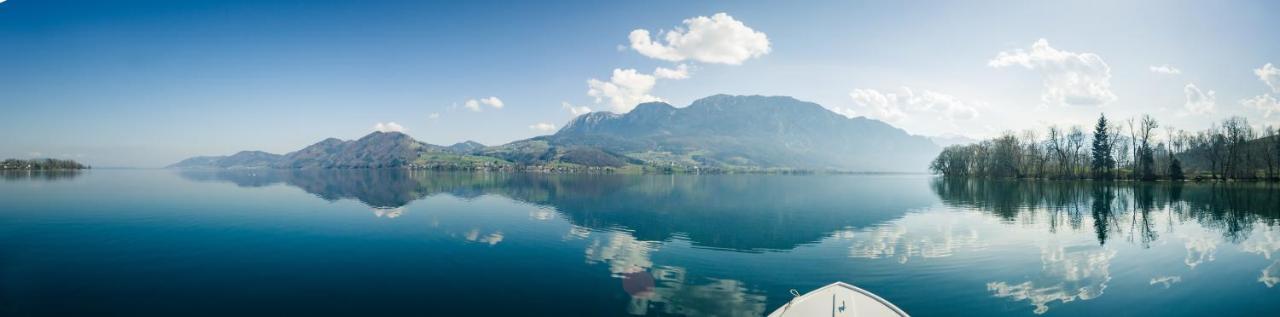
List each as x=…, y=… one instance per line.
x=382, y=243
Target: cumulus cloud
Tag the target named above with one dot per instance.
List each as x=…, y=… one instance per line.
x=892, y=107
x=543, y=127
x=681, y=72
x=475, y=104
x=1199, y=102
x=1069, y=78
x=492, y=102
x=388, y=127
x=1269, y=75
x=433, y=116
x=718, y=39
x=1165, y=69
x=626, y=89
x=1265, y=103
x=575, y=111
x=847, y=112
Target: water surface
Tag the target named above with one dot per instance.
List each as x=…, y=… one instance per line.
x=378, y=243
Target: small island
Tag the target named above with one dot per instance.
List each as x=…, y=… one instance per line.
x=47, y=164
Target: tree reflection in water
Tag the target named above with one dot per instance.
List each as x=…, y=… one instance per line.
x=1237, y=213
x=1131, y=209
x=49, y=175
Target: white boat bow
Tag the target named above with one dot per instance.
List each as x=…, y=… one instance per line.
x=838, y=299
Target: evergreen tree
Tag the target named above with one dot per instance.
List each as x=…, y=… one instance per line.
x=1147, y=162
x=1175, y=169
x=1103, y=161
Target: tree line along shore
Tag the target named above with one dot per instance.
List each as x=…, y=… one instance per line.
x=1136, y=149
x=41, y=165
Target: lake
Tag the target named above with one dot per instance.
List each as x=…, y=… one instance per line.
x=383, y=242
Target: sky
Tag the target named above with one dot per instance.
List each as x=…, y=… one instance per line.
x=128, y=83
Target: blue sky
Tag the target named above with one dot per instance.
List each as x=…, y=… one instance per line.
x=146, y=83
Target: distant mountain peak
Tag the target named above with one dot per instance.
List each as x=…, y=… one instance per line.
x=726, y=98
x=653, y=106
x=759, y=103
x=769, y=131
x=391, y=135
x=465, y=147
x=586, y=122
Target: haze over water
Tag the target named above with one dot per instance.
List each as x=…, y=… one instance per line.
x=370, y=242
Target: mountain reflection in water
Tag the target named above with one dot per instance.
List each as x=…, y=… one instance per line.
x=738, y=212
x=626, y=218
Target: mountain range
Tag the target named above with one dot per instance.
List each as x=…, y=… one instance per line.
x=720, y=132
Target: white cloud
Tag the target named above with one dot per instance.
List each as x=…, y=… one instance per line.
x=681, y=72
x=626, y=89
x=388, y=127
x=575, y=111
x=1265, y=103
x=492, y=102
x=847, y=112
x=718, y=39
x=895, y=107
x=475, y=104
x=1069, y=78
x=543, y=127
x=1165, y=69
x=1270, y=75
x=433, y=116
x=1199, y=102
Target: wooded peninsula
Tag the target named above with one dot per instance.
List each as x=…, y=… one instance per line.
x=1132, y=150
x=41, y=165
